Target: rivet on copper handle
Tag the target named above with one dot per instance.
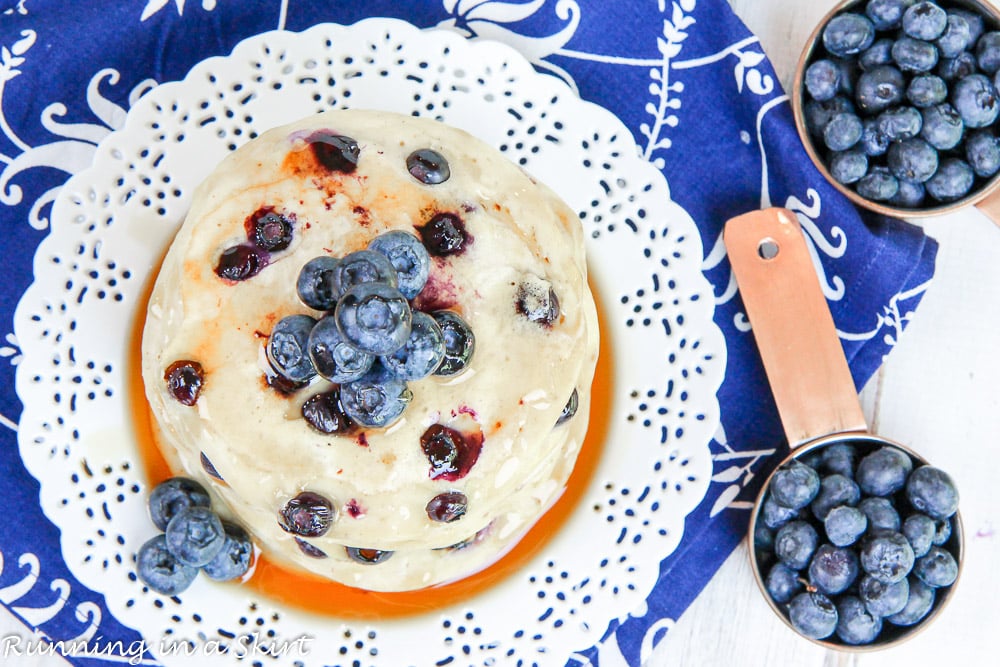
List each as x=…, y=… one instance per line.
x=792, y=325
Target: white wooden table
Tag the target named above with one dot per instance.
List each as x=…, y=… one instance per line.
x=939, y=392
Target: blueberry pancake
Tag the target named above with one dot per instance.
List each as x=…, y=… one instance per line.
x=373, y=340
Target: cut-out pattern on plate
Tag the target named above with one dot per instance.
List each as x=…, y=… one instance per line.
x=112, y=223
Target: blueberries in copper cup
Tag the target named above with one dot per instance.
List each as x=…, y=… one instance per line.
x=920, y=80
x=852, y=563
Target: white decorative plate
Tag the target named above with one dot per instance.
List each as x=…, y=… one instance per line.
x=112, y=223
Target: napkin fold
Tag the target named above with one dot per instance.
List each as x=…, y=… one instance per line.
x=685, y=76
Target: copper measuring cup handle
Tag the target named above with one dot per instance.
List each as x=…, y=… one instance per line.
x=794, y=331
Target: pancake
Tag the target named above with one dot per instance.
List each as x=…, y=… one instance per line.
x=506, y=257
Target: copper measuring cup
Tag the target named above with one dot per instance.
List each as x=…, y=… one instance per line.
x=806, y=368
x=986, y=197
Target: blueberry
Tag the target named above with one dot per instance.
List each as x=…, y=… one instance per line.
x=159, y=569
x=444, y=234
x=952, y=181
x=848, y=166
x=782, y=583
x=878, y=184
x=408, y=257
x=774, y=515
x=173, y=496
x=844, y=525
x=930, y=490
x=332, y=356
x=184, y=379
x=315, y=285
x=459, y=342
x=763, y=538
x=812, y=615
x=447, y=507
x=919, y=530
x=451, y=455
x=900, y=123
x=926, y=90
x=909, y=195
x=955, y=38
x=974, y=20
x=842, y=132
x=795, y=543
x=363, y=267
x=374, y=317
x=936, y=569
x=209, y=467
x=195, y=535
x=832, y=569
x=335, y=152
x=914, y=55
x=813, y=458
x=982, y=150
x=919, y=602
x=887, y=556
x=943, y=532
x=308, y=514
x=421, y=354
x=834, y=490
x=428, y=166
x=233, y=560
x=988, y=52
x=839, y=458
x=794, y=485
x=924, y=20
x=883, y=472
x=881, y=513
x=818, y=114
x=912, y=160
x=272, y=232
x=569, y=410
x=942, y=127
x=368, y=556
x=822, y=79
x=288, y=348
x=377, y=399
x=239, y=263
x=536, y=299
x=849, y=72
x=959, y=67
x=879, y=53
x=879, y=88
x=886, y=14
x=975, y=99
x=309, y=550
x=848, y=34
x=882, y=599
x=855, y=624
x=325, y=413
x=873, y=142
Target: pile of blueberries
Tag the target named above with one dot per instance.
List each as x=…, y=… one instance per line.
x=854, y=542
x=370, y=342
x=194, y=539
x=901, y=101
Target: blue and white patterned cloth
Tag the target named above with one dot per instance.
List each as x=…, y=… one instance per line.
x=684, y=75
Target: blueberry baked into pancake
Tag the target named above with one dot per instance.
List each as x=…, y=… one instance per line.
x=372, y=340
